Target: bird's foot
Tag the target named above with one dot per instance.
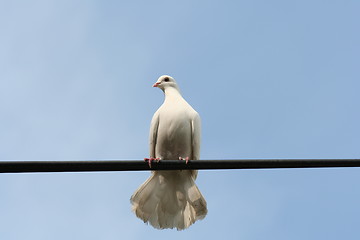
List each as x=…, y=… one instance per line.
x=184, y=159
x=149, y=160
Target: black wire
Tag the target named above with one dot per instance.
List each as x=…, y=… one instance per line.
x=140, y=165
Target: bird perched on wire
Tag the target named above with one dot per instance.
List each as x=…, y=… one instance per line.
x=171, y=199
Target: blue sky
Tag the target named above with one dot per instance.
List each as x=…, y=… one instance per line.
x=270, y=79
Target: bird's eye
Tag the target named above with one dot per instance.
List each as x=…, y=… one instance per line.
x=166, y=79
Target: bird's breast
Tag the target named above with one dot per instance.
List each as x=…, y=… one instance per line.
x=174, y=137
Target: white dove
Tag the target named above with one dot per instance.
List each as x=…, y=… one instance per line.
x=171, y=199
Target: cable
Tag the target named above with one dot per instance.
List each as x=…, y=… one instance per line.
x=140, y=165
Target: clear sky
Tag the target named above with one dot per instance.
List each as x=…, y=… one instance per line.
x=270, y=79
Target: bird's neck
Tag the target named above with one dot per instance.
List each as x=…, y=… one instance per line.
x=172, y=93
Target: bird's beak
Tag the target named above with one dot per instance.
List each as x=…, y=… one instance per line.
x=156, y=84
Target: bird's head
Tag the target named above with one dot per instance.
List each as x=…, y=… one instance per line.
x=165, y=82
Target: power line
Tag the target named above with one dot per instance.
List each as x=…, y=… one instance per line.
x=139, y=165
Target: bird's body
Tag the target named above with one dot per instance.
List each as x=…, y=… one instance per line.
x=171, y=199
x=174, y=130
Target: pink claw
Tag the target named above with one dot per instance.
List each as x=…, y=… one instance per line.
x=149, y=160
x=185, y=159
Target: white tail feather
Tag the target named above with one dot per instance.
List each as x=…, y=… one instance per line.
x=169, y=199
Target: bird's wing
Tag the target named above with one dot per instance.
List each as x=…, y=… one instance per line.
x=196, y=136
x=153, y=133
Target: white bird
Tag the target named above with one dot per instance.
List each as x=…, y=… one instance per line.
x=171, y=199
